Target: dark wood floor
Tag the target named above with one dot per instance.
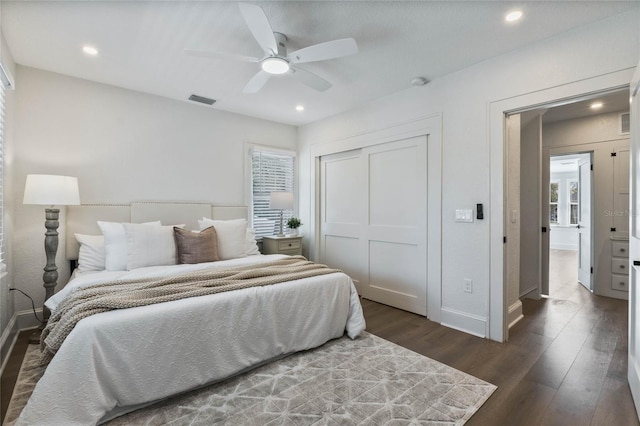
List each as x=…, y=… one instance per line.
x=10, y=372
x=565, y=362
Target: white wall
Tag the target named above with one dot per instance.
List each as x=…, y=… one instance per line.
x=463, y=98
x=123, y=146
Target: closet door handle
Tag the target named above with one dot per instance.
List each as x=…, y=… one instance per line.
x=636, y=263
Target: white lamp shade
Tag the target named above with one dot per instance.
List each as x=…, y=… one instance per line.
x=281, y=201
x=51, y=190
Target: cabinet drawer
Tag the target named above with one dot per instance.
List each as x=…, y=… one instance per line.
x=620, y=249
x=288, y=245
x=619, y=265
x=620, y=282
x=292, y=252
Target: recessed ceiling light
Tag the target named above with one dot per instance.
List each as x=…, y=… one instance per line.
x=299, y=107
x=596, y=105
x=275, y=65
x=513, y=16
x=90, y=50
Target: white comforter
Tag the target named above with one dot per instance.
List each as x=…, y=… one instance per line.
x=115, y=361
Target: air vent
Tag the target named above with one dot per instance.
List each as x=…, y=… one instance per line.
x=624, y=123
x=202, y=99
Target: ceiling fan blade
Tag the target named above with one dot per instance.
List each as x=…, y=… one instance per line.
x=322, y=51
x=209, y=54
x=259, y=26
x=256, y=83
x=310, y=79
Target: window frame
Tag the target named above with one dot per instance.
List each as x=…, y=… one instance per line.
x=556, y=203
x=248, y=172
x=570, y=203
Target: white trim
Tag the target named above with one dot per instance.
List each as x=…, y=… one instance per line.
x=6, y=79
x=429, y=126
x=497, y=324
x=22, y=320
x=633, y=372
x=10, y=334
x=515, y=313
x=463, y=321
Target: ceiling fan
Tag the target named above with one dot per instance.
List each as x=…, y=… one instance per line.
x=275, y=59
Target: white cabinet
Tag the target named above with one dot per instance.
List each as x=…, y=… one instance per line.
x=620, y=265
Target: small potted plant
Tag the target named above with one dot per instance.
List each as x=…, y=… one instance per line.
x=293, y=224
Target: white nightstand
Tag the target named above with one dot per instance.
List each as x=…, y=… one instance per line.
x=282, y=245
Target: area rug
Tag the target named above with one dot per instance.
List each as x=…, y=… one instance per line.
x=367, y=381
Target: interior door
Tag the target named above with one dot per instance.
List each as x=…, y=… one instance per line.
x=396, y=224
x=585, y=277
x=374, y=220
x=634, y=245
x=341, y=215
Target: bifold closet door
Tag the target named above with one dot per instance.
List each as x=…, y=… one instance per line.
x=374, y=220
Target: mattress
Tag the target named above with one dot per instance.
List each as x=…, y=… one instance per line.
x=117, y=361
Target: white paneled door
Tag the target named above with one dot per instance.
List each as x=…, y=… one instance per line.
x=585, y=276
x=374, y=220
x=634, y=245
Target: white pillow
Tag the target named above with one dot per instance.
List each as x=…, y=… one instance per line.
x=115, y=244
x=150, y=245
x=251, y=243
x=91, y=257
x=232, y=236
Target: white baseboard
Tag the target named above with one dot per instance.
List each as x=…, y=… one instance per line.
x=463, y=321
x=515, y=313
x=8, y=340
x=22, y=320
x=633, y=375
x=559, y=246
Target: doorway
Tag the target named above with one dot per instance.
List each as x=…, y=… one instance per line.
x=570, y=224
x=555, y=211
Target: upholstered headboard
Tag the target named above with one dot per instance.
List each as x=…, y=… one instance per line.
x=83, y=219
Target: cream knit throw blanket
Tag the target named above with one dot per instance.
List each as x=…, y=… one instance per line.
x=132, y=293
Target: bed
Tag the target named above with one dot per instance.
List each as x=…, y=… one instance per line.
x=117, y=361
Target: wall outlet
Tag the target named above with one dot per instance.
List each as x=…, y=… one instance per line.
x=468, y=285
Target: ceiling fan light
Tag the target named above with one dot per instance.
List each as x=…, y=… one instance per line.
x=275, y=65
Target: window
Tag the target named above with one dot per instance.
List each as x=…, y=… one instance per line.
x=553, y=202
x=271, y=170
x=573, y=202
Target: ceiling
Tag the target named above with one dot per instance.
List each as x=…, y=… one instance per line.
x=566, y=163
x=141, y=45
x=611, y=102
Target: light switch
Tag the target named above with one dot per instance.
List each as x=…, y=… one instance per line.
x=464, y=215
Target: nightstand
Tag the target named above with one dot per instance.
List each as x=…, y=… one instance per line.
x=282, y=245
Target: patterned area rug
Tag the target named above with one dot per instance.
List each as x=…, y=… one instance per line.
x=368, y=381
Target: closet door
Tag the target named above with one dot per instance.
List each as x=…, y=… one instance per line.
x=341, y=214
x=396, y=229
x=374, y=220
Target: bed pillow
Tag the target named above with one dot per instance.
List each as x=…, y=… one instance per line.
x=150, y=245
x=231, y=235
x=115, y=244
x=251, y=243
x=196, y=247
x=91, y=256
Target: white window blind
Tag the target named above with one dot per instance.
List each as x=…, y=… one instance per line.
x=270, y=171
